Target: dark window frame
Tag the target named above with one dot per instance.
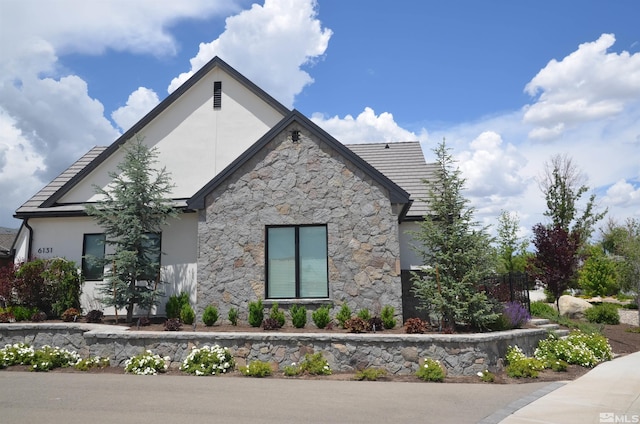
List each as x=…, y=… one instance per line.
x=217, y=94
x=88, y=272
x=159, y=257
x=297, y=261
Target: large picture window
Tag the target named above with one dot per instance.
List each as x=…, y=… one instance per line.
x=297, y=262
x=93, y=256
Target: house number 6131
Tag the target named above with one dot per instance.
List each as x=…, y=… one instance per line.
x=45, y=250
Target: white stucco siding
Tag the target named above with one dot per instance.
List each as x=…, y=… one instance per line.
x=194, y=140
x=408, y=256
x=63, y=237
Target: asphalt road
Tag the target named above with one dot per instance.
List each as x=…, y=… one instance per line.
x=69, y=398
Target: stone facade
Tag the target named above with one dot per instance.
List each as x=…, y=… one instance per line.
x=397, y=353
x=306, y=182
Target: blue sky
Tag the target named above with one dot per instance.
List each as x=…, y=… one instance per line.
x=508, y=84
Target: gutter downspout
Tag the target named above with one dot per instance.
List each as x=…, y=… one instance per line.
x=30, y=247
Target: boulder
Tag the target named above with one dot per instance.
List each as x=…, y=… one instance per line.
x=572, y=307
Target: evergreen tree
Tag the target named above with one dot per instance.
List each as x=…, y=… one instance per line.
x=511, y=248
x=132, y=210
x=457, y=253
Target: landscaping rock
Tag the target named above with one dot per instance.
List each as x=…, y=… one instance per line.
x=572, y=307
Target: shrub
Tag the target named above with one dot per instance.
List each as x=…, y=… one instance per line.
x=356, y=325
x=208, y=360
x=187, y=315
x=298, y=316
x=517, y=314
x=501, y=323
x=210, y=315
x=256, y=313
x=94, y=316
x=487, y=376
x=605, y=313
x=375, y=324
x=276, y=314
x=146, y=363
x=16, y=354
x=364, y=314
x=343, y=315
x=524, y=368
x=233, y=316
x=175, y=303
x=71, y=314
x=6, y=315
x=315, y=364
x=431, y=370
x=257, y=369
x=416, y=326
x=39, y=316
x=271, y=324
x=370, y=374
x=93, y=362
x=48, y=358
x=66, y=283
x=173, y=324
x=23, y=313
x=631, y=305
x=543, y=310
x=586, y=350
x=388, y=321
x=321, y=316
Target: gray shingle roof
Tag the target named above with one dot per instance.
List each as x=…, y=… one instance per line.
x=7, y=236
x=404, y=164
x=36, y=201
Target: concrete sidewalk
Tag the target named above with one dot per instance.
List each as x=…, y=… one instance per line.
x=610, y=393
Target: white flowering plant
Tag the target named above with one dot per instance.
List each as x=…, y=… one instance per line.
x=486, y=376
x=43, y=359
x=586, y=350
x=146, y=363
x=431, y=370
x=16, y=354
x=208, y=360
x=92, y=362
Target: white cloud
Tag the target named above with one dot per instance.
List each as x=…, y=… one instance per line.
x=623, y=193
x=140, y=102
x=269, y=44
x=588, y=84
x=365, y=128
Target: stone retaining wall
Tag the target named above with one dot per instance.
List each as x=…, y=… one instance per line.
x=462, y=354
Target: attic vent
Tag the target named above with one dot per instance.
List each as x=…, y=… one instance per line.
x=217, y=94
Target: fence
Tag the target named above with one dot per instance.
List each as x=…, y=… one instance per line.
x=512, y=287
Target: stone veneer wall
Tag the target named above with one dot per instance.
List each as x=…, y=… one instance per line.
x=300, y=183
x=397, y=353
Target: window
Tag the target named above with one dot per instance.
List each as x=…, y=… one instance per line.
x=150, y=256
x=297, y=262
x=217, y=94
x=93, y=256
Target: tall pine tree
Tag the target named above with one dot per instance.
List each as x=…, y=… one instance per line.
x=132, y=210
x=456, y=251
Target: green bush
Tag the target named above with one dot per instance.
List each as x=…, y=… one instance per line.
x=388, y=321
x=187, y=315
x=146, y=363
x=321, y=317
x=525, y=368
x=370, y=374
x=315, y=364
x=175, y=303
x=364, y=314
x=298, y=316
x=210, y=315
x=586, y=350
x=233, y=316
x=22, y=313
x=343, y=315
x=431, y=370
x=256, y=313
x=598, y=276
x=277, y=315
x=208, y=360
x=257, y=369
x=605, y=313
x=543, y=310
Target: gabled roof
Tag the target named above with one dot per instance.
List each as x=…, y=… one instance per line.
x=7, y=237
x=34, y=205
x=404, y=164
x=396, y=193
x=48, y=197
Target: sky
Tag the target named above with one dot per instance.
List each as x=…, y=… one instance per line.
x=507, y=84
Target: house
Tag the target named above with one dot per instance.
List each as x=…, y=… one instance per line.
x=271, y=206
x=7, y=236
